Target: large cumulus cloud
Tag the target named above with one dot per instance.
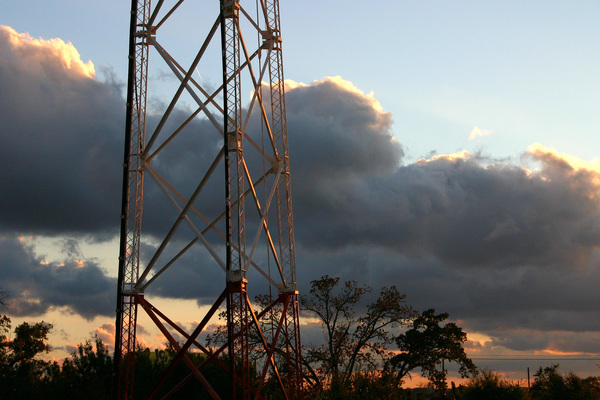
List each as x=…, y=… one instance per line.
x=464, y=211
x=508, y=250
x=60, y=138
x=504, y=248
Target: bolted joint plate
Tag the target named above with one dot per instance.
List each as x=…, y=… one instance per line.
x=236, y=284
x=230, y=8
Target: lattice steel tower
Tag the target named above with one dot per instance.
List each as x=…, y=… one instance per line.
x=218, y=201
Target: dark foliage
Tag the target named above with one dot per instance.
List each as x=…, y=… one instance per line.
x=352, y=342
x=22, y=374
x=490, y=385
x=87, y=374
x=151, y=368
x=549, y=384
x=427, y=345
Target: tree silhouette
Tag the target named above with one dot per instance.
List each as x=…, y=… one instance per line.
x=490, y=385
x=549, y=384
x=87, y=373
x=427, y=344
x=351, y=341
x=22, y=373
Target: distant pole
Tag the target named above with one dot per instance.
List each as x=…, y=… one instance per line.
x=445, y=385
x=454, y=394
x=528, y=382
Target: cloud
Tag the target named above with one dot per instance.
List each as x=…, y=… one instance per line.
x=53, y=53
x=492, y=242
x=36, y=286
x=336, y=131
x=60, y=139
x=458, y=209
x=504, y=248
x=477, y=132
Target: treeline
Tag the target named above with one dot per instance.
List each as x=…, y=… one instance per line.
x=88, y=372
x=366, y=355
x=549, y=384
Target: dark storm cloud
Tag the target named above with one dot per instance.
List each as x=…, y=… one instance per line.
x=60, y=139
x=338, y=132
x=61, y=142
x=491, y=242
x=502, y=248
x=35, y=286
x=461, y=210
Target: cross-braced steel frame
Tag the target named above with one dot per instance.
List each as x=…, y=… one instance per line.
x=250, y=238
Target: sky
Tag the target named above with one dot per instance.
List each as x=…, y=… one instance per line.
x=447, y=148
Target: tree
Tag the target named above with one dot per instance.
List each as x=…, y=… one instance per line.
x=150, y=368
x=4, y=342
x=351, y=341
x=375, y=385
x=4, y=329
x=427, y=345
x=490, y=385
x=87, y=373
x=549, y=384
x=22, y=373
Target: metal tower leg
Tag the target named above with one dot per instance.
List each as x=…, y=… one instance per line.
x=131, y=209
